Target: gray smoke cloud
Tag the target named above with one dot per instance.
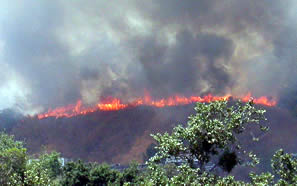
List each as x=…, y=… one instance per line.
x=178, y=69
x=55, y=52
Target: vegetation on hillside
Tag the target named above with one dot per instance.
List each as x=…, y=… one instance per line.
x=202, y=152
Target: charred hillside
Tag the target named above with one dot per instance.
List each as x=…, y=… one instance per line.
x=123, y=135
x=110, y=136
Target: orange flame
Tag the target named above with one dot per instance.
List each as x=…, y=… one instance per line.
x=116, y=104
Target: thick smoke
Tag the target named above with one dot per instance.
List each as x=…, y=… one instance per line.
x=183, y=67
x=57, y=52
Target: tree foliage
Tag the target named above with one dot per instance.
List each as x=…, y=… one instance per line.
x=103, y=174
x=75, y=173
x=52, y=163
x=211, y=136
x=18, y=168
x=284, y=165
x=210, y=142
x=131, y=175
x=12, y=160
x=36, y=174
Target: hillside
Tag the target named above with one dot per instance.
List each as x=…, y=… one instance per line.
x=122, y=136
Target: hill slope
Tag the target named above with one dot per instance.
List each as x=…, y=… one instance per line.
x=121, y=136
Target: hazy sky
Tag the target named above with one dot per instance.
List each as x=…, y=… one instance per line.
x=56, y=52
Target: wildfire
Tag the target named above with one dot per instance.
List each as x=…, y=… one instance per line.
x=116, y=104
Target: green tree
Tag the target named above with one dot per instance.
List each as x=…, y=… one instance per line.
x=76, y=173
x=131, y=175
x=284, y=165
x=210, y=139
x=17, y=168
x=103, y=175
x=262, y=179
x=36, y=174
x=52, y=163
x=79, y=173
x=12, y=160
x=44, y=169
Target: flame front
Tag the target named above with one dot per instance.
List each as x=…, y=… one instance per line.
x=116, y=104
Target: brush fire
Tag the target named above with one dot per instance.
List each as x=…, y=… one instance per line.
x=113, y=104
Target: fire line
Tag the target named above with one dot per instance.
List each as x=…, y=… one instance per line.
x=116, y=104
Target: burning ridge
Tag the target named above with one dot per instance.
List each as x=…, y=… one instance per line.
x=114, y=104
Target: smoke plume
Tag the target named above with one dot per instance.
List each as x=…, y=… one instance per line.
x=55, y=52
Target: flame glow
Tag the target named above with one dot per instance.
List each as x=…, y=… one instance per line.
x=116, y=104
